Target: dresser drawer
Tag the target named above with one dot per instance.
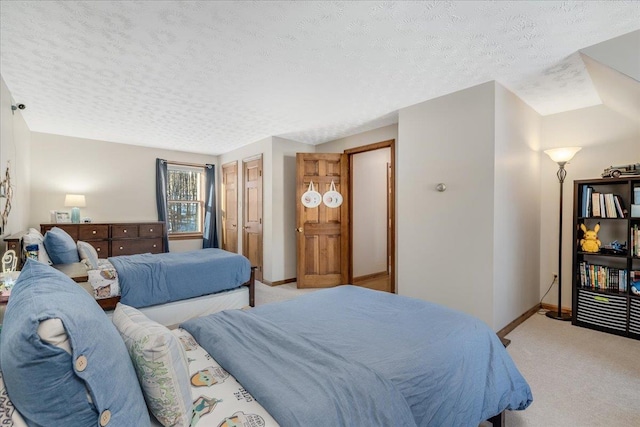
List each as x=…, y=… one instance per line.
x=102, y=247
x=150, y=230
x=139, y=246
x=124, y=231
x=94, y=231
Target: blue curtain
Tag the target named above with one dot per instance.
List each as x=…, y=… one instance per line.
x=210, y=235
x=161, y=198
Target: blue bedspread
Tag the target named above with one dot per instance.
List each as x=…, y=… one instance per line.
x=150, y=279
x=450, y=368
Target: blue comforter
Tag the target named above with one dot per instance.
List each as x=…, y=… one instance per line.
x=449, y=368
x=150, y=279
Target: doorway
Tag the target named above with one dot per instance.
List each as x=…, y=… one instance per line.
x=372, y=205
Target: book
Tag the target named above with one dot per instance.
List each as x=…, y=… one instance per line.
x=636, y=195
x=588, y=211
x=619, y=206
x=595, y=203
x=603, y=211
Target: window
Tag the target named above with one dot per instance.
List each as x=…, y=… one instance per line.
x=185, y=199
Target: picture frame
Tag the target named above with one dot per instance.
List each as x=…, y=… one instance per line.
x=62, y=217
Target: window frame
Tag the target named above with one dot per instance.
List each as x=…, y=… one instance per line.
x=180, y=166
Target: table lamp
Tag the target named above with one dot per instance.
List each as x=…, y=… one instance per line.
x=75, y=202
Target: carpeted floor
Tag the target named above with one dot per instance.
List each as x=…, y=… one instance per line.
x=578, y=377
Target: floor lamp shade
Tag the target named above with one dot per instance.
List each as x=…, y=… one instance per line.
x=75, y=202
x=561, y=156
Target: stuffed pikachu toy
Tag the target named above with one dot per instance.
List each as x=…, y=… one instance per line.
x=589, y=241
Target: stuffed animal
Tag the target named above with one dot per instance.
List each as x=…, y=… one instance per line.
x=589, y=241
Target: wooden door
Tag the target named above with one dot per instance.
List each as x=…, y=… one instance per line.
x=323, y=232
x=230, y=207
x=252, y=213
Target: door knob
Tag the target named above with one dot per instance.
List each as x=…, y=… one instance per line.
x=299, y=229
x=233, y=225
x=244, y=227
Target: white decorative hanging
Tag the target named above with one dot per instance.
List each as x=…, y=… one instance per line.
x=332, y=198
x=311, y=198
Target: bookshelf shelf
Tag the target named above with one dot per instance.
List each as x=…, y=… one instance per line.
x=602, y=297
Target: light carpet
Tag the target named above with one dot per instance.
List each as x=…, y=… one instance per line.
x=578, y=377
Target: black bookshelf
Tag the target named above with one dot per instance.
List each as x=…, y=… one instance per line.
x=601, y=293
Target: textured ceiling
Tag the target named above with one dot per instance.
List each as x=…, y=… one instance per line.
x=212, y=76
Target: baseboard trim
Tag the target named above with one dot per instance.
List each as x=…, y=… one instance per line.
x=369, y=277
x=518, y=321
x=278, y=282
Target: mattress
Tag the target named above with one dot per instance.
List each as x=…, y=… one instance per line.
x=173, y=313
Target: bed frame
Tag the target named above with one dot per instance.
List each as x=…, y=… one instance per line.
x=110, y=303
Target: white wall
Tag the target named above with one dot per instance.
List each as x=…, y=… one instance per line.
x=15, y=152
x=369, y=211
x=445, y=240
x=118, y=180
x=516, y=256
x=607, y=138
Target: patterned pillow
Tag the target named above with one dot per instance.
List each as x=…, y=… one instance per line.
x=47, y=382
x=88, y=252
x=60, y=246
x=8, y=414
x=160, y=363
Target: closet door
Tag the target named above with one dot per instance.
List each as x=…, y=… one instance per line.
x=252, y=213
x=230, y=207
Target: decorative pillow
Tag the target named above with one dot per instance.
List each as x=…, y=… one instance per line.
x=60, y=246
x=161, y=365
x=88, y=253
x=33, y=237
x=49, y=385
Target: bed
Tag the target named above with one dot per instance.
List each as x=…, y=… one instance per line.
x=341, y=356
x=168, y=287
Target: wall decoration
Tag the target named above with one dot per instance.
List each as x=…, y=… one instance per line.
x=311, y=198
x=7, y=191
x=332, y=198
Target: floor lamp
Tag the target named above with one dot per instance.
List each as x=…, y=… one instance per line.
x=561, y=156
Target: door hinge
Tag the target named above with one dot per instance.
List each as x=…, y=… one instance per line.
x=260, y=221
x=260, y=172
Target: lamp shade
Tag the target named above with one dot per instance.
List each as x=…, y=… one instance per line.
x=74, y=201
x=560, y=155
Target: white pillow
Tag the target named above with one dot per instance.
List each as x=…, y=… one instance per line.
x=160, y=363
x=33, y=237
x=88, y=254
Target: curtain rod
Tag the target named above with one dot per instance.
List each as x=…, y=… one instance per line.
x=195, y=165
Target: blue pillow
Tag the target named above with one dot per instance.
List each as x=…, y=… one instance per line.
x=48, y=385
x=60, y=246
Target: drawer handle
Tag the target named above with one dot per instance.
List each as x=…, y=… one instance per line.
x=97, y=249
x=125, y=231
x=151, y=230
x=155, y=246
x=94, y=232
x=120, y=247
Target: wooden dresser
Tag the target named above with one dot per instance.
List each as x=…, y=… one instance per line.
x=117, y=238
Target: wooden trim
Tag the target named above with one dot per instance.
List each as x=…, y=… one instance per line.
x=185, y=236
x=371, y=147
x=511, y=326
x=278, y=282
x=369, y=276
